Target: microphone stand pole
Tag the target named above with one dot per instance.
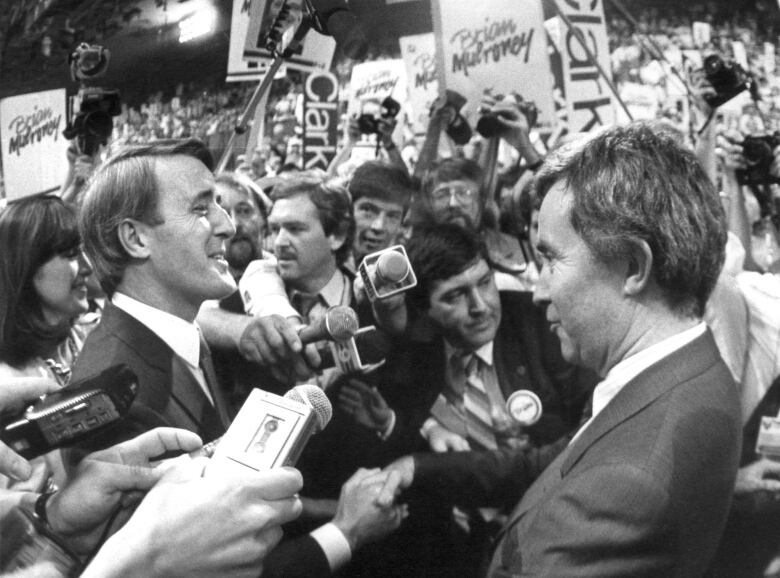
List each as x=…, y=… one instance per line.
x=592, y=57
x=307, y=23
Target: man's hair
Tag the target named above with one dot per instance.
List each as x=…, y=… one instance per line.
x=451, y=169
x=229, y=179
x=442, y=171
x=33, y=230
x=437, y=253
x=333, y=205
x=638, y=183
x=126, y=187
x=383, y=181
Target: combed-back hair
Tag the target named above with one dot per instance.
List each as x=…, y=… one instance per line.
x=439, y=252
x=33, y=230
x=125, y=187
x=384, y=181
x=637, y=182
x=333, y=204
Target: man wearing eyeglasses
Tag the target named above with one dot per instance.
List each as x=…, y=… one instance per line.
x=452, y=193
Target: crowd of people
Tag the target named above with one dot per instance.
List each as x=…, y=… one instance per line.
x=565, y=366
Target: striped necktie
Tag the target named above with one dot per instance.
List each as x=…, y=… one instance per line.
x=476, y=405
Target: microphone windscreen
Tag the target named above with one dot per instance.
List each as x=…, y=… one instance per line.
x=315, y=398
x=341, y=322
x=392, y=267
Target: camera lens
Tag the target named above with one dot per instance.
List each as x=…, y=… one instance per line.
x=99, y=124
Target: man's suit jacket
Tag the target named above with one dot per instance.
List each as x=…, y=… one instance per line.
x=643, y=491
x=168, y=396
x=526, y=355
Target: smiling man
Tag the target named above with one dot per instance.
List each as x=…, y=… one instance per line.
x=632, y=237
x=156, y=235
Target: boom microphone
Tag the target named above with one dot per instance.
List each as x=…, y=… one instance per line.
x=271, y=431
x=339, y=324
x=334, y=18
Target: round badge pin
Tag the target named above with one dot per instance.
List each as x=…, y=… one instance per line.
x=525, y=407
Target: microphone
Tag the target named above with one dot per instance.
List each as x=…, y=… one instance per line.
x=363, y=353
x=386, y=273
x=339, y=324
x=271, y=431
x=334, y=18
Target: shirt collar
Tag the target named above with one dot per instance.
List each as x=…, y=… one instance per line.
x=183, y=337
x=629, y=368
x=484, y=353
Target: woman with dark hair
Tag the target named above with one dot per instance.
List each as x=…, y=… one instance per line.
x=43, y=292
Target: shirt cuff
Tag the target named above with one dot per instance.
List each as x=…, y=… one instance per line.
x=388, y=431
x=334, y=544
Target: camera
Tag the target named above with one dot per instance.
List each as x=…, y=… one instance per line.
x=72, y=414
x=369, y=124
x=92, y=125
x=727, y=78
x=489, y=124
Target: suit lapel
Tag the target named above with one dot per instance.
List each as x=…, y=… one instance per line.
x=176, y=384
x=671, y=371
x=659, y=378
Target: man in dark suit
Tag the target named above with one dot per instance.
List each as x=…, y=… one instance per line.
x=632, y=238
x=156, y=235
x=505, y=337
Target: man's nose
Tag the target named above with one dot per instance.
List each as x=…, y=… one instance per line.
x=541, y=291
x=222, y=224
x=378, y=224
x=85, y=267
x=477, y=302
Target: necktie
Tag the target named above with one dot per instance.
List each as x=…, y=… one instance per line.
x=210, y=377
x=476, y=406
x=303, y=303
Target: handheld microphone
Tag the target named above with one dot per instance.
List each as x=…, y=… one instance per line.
x=339, y=324
x=271, y=431
x=334, y=18
x=387, y=273
x=363, y=353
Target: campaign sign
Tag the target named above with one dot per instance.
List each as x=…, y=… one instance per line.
x=34, y=150
x=419, y=56
x=320, y=120
x=496, y=45
x=588, y=96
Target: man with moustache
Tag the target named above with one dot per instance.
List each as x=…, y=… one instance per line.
x=632, y=239
x=156, y=237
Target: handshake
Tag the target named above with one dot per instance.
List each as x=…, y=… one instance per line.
x=185, y=516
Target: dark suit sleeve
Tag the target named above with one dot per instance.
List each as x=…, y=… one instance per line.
x=476, y=479
x=300, y=557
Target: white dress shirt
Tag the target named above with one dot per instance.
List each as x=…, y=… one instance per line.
x=183, y=337
x=630, y=367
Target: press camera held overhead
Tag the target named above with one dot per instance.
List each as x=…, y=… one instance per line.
x=92, y=125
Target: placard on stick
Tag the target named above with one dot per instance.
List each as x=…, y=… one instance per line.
x=498, y=45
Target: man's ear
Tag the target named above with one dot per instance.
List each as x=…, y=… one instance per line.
x=639, y=268
x=336, y=240
x=134, y=238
